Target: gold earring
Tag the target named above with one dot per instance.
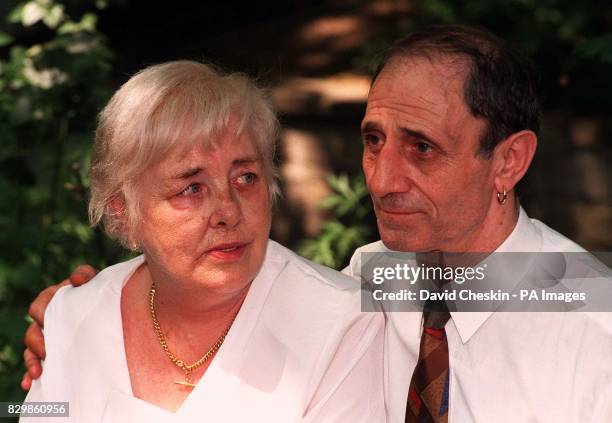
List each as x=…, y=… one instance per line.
x=502, y=197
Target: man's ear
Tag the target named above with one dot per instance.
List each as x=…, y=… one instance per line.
x=513, y=157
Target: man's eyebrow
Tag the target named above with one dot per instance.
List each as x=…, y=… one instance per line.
x=417, y=134
x=370, y=126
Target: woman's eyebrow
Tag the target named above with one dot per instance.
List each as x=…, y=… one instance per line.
x=246, y=161
x=188, y=173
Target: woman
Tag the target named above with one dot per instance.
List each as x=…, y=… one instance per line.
x=214, y=322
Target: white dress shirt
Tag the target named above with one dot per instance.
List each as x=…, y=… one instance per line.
x=298, y=351
x=510, y=367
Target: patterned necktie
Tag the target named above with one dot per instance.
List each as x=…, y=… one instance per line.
x=428, y=393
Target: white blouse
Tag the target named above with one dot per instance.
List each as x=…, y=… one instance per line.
x=298, y=351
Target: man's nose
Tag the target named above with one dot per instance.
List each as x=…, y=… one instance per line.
x=387, y=172
x=226, y=212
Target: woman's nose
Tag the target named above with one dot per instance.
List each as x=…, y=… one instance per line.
x=226, y=210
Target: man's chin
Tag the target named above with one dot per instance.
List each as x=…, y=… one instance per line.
x=402, y=240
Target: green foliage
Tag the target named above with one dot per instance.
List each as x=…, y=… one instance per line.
x=5, y=39
x=599, y=48
x=50, y=93
x=348, y=228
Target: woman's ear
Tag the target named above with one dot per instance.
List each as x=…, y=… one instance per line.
x=116, y=206
x=118, y=209
x=513, y=157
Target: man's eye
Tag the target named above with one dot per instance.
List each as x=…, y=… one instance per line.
x=371, y=139
x=423, y=147
x=192, y=189
x=247, y=178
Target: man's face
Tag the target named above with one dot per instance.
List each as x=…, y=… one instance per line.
x=429, y=188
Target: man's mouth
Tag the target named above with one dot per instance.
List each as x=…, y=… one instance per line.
x=396, y=211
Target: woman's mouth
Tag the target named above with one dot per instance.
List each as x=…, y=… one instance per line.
x=227, y=251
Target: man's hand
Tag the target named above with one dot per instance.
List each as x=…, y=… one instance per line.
x=34, y=339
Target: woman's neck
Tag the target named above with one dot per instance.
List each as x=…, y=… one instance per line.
x=189, y=307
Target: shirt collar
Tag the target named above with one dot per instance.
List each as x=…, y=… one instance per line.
x=524, y=237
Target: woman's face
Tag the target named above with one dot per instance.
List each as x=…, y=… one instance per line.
x=206, y=215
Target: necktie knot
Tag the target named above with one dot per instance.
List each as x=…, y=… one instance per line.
x=435, y=314
x=435, y=319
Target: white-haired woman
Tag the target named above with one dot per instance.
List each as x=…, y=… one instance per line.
x=213, y=322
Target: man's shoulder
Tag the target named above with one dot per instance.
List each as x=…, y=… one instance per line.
x=373, y=247
x=600, y=321
x=553, y=241
x=363, y=254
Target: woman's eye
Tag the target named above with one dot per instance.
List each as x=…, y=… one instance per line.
x=247, y=178
x=192, y=189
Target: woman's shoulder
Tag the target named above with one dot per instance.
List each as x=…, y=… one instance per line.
x=71, y=305
x=310, y=289
x=311, y=298
x=317, y=274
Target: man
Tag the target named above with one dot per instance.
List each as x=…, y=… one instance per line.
x=450, y=128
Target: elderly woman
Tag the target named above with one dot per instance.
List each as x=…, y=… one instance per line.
x=213, y=322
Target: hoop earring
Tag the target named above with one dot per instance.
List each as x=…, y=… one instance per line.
x=502, y=197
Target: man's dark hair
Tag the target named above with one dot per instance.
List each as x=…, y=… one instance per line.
x=500, y=85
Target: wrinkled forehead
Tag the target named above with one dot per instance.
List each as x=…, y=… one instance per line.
x=424, y=94
x=196, y=138
x=232, y=134
x=438, y=74
x=420, y=86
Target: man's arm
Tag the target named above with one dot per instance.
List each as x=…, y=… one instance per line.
x=34, y=339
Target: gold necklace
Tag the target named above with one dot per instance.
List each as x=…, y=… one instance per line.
x=187, y=368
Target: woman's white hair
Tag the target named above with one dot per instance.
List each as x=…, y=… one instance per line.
x=162, y=106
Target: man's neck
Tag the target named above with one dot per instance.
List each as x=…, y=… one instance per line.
x=496, y=228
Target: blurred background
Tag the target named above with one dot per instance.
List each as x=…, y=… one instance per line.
x=60, y=60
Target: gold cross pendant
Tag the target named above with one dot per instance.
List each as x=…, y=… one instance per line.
x=185, y=383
